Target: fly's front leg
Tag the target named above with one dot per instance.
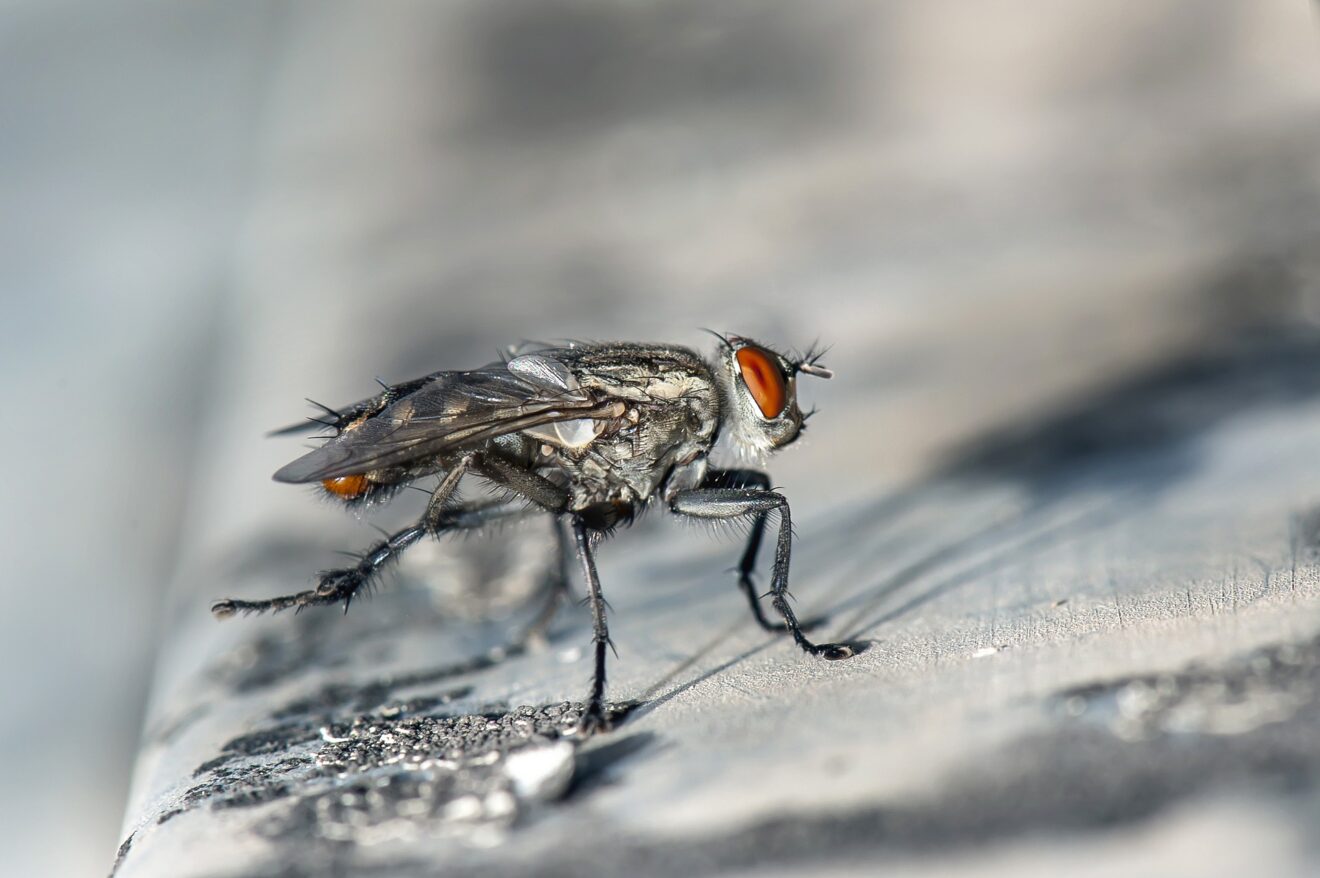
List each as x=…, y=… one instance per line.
x=595, y=719
x=748, y=478
x=734, y=503
x=344, y=583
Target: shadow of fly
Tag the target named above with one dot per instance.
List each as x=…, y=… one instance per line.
x=590, y=434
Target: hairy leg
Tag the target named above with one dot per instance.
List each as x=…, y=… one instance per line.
x=554, y=587
x=734, y=503
x=748, y=478
x=344, y=583
x=595, y=718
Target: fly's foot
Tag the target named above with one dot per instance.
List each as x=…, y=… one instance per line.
x=835, y=651
x=224, y=609
x=332, y=587
x=229, y=607
x=594, y=722
x=831, y=651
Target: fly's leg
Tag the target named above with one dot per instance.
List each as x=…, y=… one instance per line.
x=474, y=516
x=332, y=586
x=344, y=583
x=546, y=495
x=554, y=586
x=746, y=565
x=595, y=719
x=733, y=503
x=522, y=481
x=748, y=478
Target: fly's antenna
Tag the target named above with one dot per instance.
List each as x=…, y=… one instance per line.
x=809, y=362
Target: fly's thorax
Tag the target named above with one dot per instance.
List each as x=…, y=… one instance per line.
x=657, y=411
x=661, y=387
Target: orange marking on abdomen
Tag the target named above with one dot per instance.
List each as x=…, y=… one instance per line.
x=347, y=487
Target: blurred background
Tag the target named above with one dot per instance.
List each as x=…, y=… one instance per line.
x=210, y=210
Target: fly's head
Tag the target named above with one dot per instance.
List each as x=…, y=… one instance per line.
x=759, y=387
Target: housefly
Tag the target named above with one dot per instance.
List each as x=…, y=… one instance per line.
x=590, y=434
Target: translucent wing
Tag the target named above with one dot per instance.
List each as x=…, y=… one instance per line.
x=337, y=419
x=450, y=411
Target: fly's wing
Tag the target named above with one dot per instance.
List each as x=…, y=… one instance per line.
x=338, y=419
x=451, y=411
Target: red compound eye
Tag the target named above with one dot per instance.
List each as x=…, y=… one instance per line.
x=763, y=378
x=347, y=487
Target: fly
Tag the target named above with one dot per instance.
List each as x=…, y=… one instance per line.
x=590, y=434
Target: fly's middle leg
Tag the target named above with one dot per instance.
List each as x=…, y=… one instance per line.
x=554, y=588
x=595, y=719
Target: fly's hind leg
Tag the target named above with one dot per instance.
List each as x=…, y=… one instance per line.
x=758, y=503
x=332, y=586
x=549, y=497
x=343, y=584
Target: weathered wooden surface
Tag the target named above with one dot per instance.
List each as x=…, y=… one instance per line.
x=1062, y=486
x=1108, y=622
